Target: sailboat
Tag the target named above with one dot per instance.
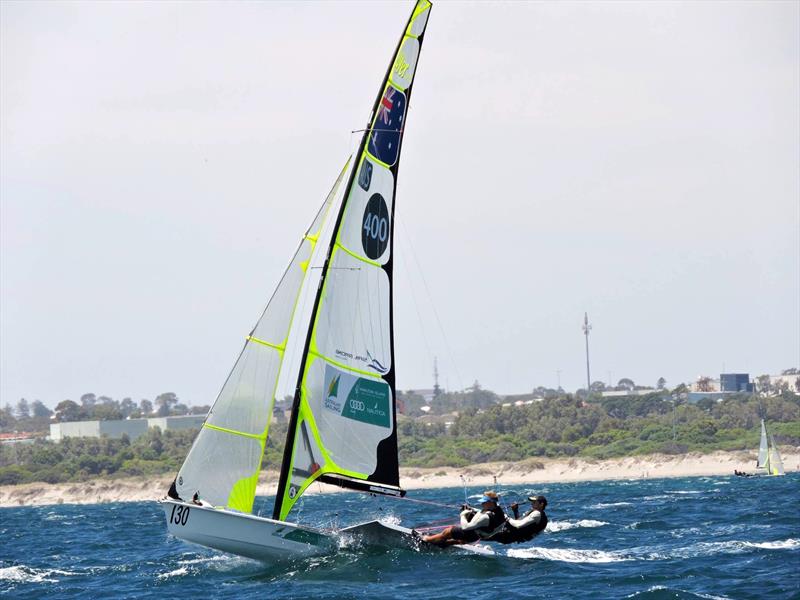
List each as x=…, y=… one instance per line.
x=334, y=305
x=769, y=459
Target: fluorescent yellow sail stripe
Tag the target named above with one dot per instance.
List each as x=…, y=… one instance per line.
x=343, y=366
x=254, y=436
x=278, y=347
x=356, y=256
x=420, y=8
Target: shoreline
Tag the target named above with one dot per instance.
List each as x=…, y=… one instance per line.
x=528, y=471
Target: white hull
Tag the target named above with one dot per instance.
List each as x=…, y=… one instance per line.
x=243, y=534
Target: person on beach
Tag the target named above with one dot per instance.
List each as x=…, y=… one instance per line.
x=475, y=525
x=518, y=530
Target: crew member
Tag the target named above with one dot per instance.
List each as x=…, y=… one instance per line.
x=518, y=530
x=475, y=525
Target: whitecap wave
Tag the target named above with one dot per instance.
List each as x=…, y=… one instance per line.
x=24, y=574
x=789, y=544
x=611, y=504
x=179, y=572
x=554, y=526
x=569, y=555
x=732, y=547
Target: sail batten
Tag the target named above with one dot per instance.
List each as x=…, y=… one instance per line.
x=343, y=421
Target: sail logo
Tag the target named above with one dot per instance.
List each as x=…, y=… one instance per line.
x=365, y=175
x=376, y=365
x=384, y=141
x=401, y=65
x=369, y=402
x=331, y=400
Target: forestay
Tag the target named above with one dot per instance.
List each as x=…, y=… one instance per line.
x=343, y=428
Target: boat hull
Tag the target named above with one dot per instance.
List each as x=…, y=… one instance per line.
x=242, y=534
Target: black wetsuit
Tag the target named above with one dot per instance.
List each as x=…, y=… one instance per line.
x=515, y=535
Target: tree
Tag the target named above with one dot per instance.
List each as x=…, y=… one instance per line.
x=763, y=384
x=165, y=402
x=7, y=420
x=127, y=407
x=23, y=410
x=67, y=410
x=661, y=383
x=791, y=371
x=598, y=386
x=626, y=384
x=88, y=401
x=146, y=407
x=40, y=411
x=704, y=384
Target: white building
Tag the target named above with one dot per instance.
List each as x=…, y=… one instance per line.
x=115, y=429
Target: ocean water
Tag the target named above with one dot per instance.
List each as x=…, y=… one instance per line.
x=708, y=537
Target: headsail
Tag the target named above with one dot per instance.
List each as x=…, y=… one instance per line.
x=775, y=462
x=225, y=459
x=343, y=428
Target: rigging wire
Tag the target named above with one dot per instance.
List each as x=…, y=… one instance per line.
x=433, y=305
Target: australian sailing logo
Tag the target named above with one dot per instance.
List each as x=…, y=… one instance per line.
x=332, y=402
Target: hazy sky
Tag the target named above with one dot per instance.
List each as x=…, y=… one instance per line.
x=639, y=161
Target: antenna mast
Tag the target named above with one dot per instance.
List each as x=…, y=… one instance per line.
x=586, y=329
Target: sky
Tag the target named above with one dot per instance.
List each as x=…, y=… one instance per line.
x=638, y=161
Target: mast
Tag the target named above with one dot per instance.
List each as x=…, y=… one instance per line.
x=286, y=463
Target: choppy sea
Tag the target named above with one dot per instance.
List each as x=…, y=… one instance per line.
x=706, y=537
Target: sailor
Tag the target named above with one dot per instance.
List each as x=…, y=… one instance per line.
x=196, y=499
x=475, y=525
x=518, y=530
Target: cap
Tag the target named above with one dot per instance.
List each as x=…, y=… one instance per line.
x=486, y=498
x=541, y=499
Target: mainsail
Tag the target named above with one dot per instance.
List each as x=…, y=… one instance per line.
x=343, y=428
x=225, y=459
x=763, y=449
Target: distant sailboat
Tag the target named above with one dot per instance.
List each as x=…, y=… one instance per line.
x=334, y=306
x=769, y=459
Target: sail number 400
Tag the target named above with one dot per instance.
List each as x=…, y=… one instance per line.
x=376, y=227
x=180, y=515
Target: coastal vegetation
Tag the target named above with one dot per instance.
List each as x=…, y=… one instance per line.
x=483, y=431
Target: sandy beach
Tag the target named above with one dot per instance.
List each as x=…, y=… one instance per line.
x=530, y=471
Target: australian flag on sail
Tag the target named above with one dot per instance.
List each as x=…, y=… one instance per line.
x=384, y=142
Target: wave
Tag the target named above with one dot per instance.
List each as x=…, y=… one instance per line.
x=180, y=572
x=554, y=526
x=789, y=544
x=24, y=574
x=610, y=504
x=568, y=555
x=702, y=549
x=662, y=588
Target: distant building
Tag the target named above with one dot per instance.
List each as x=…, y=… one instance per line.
x=735, y=382
x=173, y=423
x=619, y=393
x=133, y=428
x=428, y=395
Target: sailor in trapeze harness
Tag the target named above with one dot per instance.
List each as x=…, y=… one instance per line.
x=491, y=524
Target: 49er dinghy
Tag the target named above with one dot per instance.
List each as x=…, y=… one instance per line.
x=335, y=302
